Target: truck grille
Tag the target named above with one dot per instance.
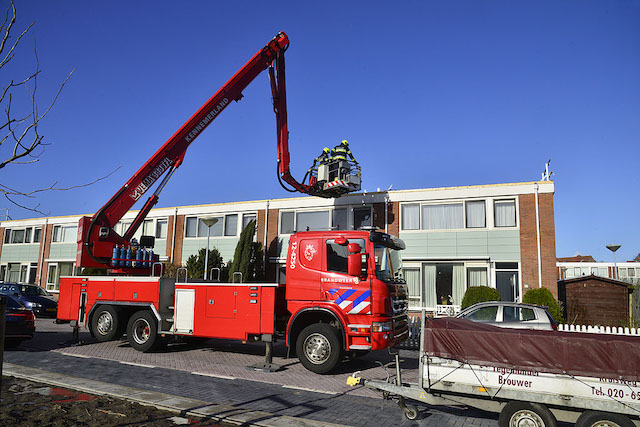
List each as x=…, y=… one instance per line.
x=400, y=306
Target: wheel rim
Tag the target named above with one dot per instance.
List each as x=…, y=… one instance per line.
x=105, y=323
x=141, y=331
x=317, y=348
x=526, y=418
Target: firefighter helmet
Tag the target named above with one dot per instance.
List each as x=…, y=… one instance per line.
x=344, y=142
x=325, y=150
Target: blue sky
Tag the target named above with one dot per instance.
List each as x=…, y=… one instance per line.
x=429, y=94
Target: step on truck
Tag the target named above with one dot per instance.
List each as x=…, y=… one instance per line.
x=343, y=296
x=531, y=378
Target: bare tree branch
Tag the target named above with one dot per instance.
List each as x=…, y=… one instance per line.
x=19, y=127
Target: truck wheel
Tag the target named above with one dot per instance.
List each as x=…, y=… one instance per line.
x=603, y=419
x=105, y=323
x=142, y=331
x=411, y=412
x=521, y=414
x=318, y=348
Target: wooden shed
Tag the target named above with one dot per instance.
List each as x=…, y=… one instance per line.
x=595, y=300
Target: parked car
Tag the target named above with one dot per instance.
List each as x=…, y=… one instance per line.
x=20, y=322
x=510, y=315
x=34, y=297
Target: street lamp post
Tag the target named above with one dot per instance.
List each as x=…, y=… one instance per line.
x=208, y=221
x=614, y=248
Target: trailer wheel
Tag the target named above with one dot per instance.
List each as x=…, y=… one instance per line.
x=105, y=323
x=410, y=411
x=318, y=348
x=521, y=414
x=603, y=419
x=142, y=331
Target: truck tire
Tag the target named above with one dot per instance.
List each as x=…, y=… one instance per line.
x=603, y=419
x=106, y=323
x=519, y=414
x=142, y=331
x=318, y=347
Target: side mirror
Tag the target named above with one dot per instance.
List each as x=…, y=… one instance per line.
x=354, y=263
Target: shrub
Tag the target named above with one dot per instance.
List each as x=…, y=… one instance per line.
x=195, y=263
x=476, y=294
x=543, y=296
x=247, y=258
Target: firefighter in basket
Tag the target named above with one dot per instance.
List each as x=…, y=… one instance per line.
x=339, y=166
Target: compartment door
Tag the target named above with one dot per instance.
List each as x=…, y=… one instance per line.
x=183, y=314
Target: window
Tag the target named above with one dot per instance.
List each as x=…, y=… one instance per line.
x=517, y=314
x=161, y=229
x=27, y=235
x=37, y=234
x=287, y=223
x=507, y=281
x=338, y=255
x=484, y=314
x=225, y=226
x=476, y=276
x=412, y=276
x=476, y=217
x=594, y=271
x=7, y=236
x=17, y=236
x=602, y=271
x=147, y=227
x=247, y=218
x=3, y=272
x=65, y=234
x=442, y=217
x=52, y=277
x=339, y=219
x=505, y=213
x=231, y=225
x=362, y=217
x=410, y=217
x=309, y=221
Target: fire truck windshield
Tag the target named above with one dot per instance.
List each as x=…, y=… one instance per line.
x=388, y=263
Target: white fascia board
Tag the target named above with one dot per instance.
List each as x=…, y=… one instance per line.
x=476, y=191
x=573, y=264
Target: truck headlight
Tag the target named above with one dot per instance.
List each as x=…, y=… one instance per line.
x=382, y=326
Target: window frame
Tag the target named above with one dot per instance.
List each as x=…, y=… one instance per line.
x=223, y=220
x=515, y=213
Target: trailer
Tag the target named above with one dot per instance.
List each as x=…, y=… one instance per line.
x=531, y=378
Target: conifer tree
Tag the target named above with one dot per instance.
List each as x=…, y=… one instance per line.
x=247, y=258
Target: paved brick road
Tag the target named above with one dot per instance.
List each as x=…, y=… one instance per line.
x=216, y=372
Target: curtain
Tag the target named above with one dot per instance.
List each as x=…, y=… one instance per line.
x=411, y=217
x=505, y=212
x=475, y=214
x=458, y=284
x=429, y=290
x=442, y=217
x=477, y=277
x=412, y=276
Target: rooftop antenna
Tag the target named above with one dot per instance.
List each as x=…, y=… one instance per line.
x=546, y=175
x=6, y=214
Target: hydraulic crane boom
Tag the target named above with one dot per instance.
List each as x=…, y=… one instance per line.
x=96, y=235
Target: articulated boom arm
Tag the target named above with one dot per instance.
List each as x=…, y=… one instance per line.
x=345, y=177
x=96, y=237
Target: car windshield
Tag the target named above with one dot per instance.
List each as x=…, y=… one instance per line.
x=33, y=291
x=388, y=263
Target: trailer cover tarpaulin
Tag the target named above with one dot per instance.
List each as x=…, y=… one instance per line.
x=584, y=354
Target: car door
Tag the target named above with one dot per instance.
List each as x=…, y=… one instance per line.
x=519, y=317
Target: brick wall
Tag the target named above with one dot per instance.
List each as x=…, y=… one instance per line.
x=2, y=229
x=529, y=244
x=176, y=257
x=170, y=225
x=48, y=234
x=272, y=243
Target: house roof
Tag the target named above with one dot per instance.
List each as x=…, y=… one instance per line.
x=577, y=258
x=598, y=278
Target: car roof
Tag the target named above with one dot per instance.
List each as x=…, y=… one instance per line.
x=505, y=303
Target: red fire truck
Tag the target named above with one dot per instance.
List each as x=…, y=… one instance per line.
x=342, y=296
x=343, y=292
